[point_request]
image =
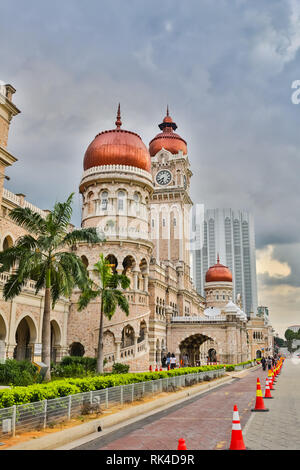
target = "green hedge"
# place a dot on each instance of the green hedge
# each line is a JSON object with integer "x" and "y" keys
{"x": 231, "y": 367}
{"x": 63, "y": 388}
{"x": 70, "y": 386}
{"x": 21, "y": 373}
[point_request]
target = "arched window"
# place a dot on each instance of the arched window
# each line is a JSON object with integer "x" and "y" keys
{"x": 104, "y": 200}
{"x": 90, "y": 202}
{"x": 121, "y": 200}
{"x": 137, "y": 201}
{"x": 76, "y": 349}
{"x": 85, "y": 261}
{"x": 7, "y": 242}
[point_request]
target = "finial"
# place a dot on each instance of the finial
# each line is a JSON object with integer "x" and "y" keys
{"x": 167, "y": 110}
{"x": 218, "y": 258}
{"x": 118, "y": 121}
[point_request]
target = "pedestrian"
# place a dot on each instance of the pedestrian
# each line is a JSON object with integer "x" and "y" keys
{"x": 173, "y": 361}
{"x": 164, "y": 361}
{"x": 168, "y": 359}
{"x": 269, "y": 362}
{"x": 263, "y": 362}
{"x": 273, "y": 361}
{"x": 185, "y": 360}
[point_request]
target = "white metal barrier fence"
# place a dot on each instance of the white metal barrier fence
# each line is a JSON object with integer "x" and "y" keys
{"x": 39, "y": 415}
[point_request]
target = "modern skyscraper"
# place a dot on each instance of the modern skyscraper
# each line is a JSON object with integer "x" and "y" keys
{"x": 230, "y": 234}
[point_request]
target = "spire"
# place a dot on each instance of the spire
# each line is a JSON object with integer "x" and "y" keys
{"x": 118, "y": 121}
{"x": 168, "y": 125}
{"x": 218, "y": 258}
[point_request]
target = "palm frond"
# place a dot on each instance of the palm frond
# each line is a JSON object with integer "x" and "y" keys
{"x": 88, "y": 235}
{"x": 13, "y": 286}
{"x": 62, "y": 213}
{"x": 86, "y": 297}
{"x": 9, "y": 257}
{"x": 30, "y": 220}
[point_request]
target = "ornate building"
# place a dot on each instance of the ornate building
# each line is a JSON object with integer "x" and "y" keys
{"x": 140, "y": 199}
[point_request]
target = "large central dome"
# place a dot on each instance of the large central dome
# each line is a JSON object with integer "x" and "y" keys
{"x": 117, "y": 147}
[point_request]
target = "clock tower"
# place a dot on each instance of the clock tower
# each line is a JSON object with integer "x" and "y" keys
{"x": 170, "y": 202}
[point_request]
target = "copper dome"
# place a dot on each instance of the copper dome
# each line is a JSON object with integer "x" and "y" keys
{"x": 117, "y": 147}
{"x": 167, "y": 139}
{"x": 218, "y": 273}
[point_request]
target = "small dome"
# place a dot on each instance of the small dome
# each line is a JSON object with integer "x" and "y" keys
{"x": 117, "y": 147}
{"x": 218, "y": 273}
{"x": 167, "y": 139}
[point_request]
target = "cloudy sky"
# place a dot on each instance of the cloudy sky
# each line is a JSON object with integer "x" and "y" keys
{"x": 226, "y": 69}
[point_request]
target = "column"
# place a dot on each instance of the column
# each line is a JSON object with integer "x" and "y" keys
{"x": 146, "y": 279}
{"x": 118, "y": 347}
{"x": 146, "y": 341}
{"x": 135, "y": 345}
{"x": 135, "y": 278}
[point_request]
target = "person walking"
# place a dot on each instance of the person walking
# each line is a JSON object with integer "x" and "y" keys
{"x": 168, "y": 359}
{"x": 263, "y": 362}
{"x": 173, "y": 361}
{"x": 269, "y": 362}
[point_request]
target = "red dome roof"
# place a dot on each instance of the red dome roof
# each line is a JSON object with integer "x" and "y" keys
{"x": 117, "y": 147}
{"x": 218, "y": 273}
{"x": 167, "y": 139}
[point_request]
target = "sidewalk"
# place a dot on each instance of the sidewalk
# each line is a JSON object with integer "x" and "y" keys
{"x": 278, "y": 429}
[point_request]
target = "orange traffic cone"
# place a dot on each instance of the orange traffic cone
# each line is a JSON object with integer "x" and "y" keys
{"x": 259, "y": 404}
{"x": 237, "y": 441}
{"x": 270, "y": 378}
{"x": 267, "y": 390}
{"x": 168, "y": 366}
{"x": 150, "y": 368}
{"x": 181, "y": 445}
{"x": 156, "y": 369}
{"x": 160, "y": 369}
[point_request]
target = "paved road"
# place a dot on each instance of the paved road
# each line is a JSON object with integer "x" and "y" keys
{"x": 279, "y": 429}
{"x": 205, "y": 422}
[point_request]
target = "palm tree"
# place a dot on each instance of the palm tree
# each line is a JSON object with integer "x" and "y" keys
{"x": 44, "y": 256}
{"x": 110, "y": 298}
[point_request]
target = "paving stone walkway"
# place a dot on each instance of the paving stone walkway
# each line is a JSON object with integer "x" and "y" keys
{"x": 205, "y": 422}
{"x": 278, "y": 429}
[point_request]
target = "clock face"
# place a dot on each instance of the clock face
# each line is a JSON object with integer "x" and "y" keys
{"x": 163, "y": 177}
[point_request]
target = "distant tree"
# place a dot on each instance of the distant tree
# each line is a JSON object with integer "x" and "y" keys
{"x": 279, "y": 342}
{"x": 290, "y": 336}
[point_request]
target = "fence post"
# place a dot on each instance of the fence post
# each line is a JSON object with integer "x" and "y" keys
{"x": 14, "y": 414}
{"x": 69, "y": 407}
{"x": 45, "y": 413}
{"x": 132, "y": 393}
{"x": 106, "y": 398}
{"x": 121, "y": 394}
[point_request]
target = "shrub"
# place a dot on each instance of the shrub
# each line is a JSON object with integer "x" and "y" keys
{"x": 120, "y": 368}
{"x": 21, "y": 373}
{"x": 74, "y": 366}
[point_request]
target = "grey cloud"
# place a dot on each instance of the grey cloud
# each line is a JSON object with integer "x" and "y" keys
{"x": 225, "y": 68}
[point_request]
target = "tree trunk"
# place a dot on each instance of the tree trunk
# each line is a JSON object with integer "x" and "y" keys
{"x": 46, "y": 333}
{"x": 100, "y": 341}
